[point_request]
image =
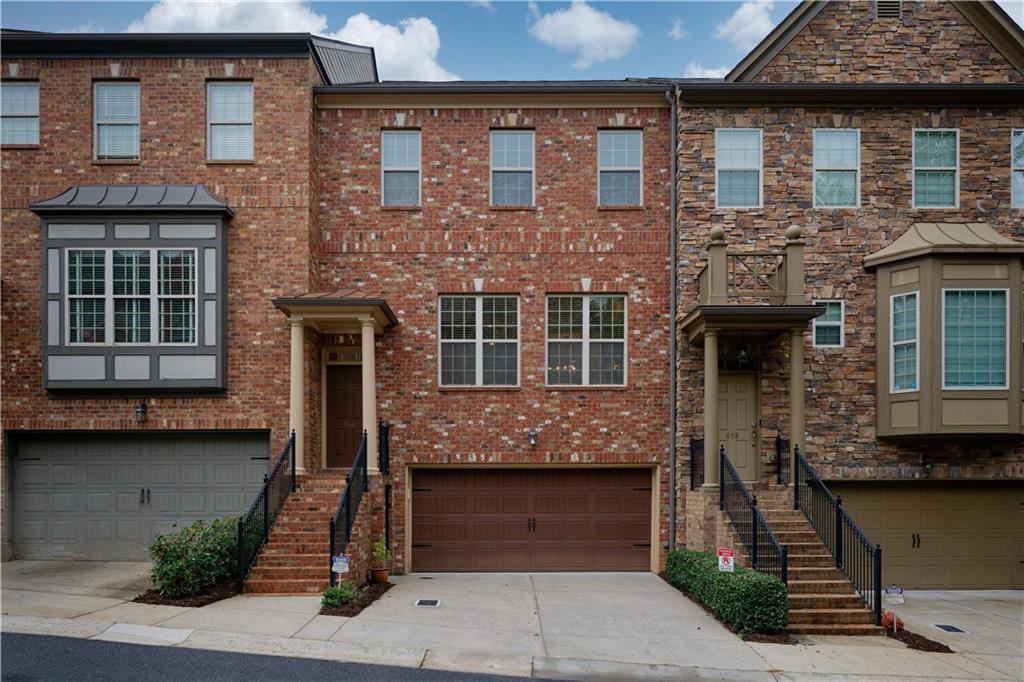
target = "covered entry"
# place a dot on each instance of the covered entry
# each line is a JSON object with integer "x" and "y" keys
{"x": 531, "y": 519}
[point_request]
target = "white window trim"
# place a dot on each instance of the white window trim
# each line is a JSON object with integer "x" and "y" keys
{"x": 210, "y": 124}
{"x": 109, "y": 297}
{"x": 585, "y": 340}
{"x": 893, "y": 343}
{"x": 759, "y": 169}
{"x": 479, "y": 342}
{"x": 1016, "y": 202}
{"x": 815, "y": 169}
{"x": 1006, "y": 341}
{"x": 640, "y": 168}
{"x": 914, "y": 169}
{"x": 418, "y": 168}
{"x": 39, "y": 120}
{"x": 532, "y": 168}
{"x": 841, "y": 324}
{"x": 96, "y": 122}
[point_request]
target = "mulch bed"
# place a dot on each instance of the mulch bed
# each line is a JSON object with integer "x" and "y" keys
{"x": 919, "y": 642}
{"x": 215, "y": 593}
{"x": 369, "y": 594}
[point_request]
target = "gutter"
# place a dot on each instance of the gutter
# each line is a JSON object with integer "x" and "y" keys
{"x": 672, "y": 95}
{"x": 483, "y": 88}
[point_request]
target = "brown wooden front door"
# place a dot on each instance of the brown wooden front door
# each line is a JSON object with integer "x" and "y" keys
{"x": 344, "y": 414}
{"x": 531, "y": 520}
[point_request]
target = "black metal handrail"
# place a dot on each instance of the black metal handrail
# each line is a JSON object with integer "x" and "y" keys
{"x": 766, "y": 554}
{"x": 356, "y": 483}
{"x": 384, "y": 447}
{"x": 782, "y": 460}
{"x": 254, "y": 526}
{"x": 696, "y": 463}
{"x": 855, "y": 555}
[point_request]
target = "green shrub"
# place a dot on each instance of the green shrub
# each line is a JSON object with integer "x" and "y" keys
{"x": 381, "y": 554}
{"x": 746, "y": 600}
{"x": 343, "y": 593}
{"x": 194, "y": 559}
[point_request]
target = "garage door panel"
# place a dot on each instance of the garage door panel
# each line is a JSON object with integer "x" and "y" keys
{"x": 65, "y": 529}
{"x": 35, "y": 502}
{"x": 64, "y": 474}
{"x": 99, "y": 529}
{"x": 65, "y": 502}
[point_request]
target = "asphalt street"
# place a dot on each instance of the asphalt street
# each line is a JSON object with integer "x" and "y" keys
{"x": 35, "y": 657}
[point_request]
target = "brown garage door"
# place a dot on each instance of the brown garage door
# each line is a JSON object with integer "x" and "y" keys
{"x": 943, "y": 535}
{"x": 531, "y": 520}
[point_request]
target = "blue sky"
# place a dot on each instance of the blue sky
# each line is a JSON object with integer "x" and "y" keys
{"x": 478, "y": 39}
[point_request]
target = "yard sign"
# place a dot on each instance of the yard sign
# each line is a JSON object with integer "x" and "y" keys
{"x": 725, "y": 556}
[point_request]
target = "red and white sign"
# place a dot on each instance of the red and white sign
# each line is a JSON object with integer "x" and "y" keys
{"x": 725, "y": 559}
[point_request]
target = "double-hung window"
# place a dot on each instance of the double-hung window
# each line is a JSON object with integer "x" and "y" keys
{"x": 116, "y": 120}
{"x": 19, "y": 113}
{"x": 620, "y": 163}
{"x": 738, "y": 168}
{"x": 904, "y": 357}
{"x": 229, "y": 114}
{"x": 1017, "y": 168}
{"x": 479, "y": 340}
{"x": 400, "y": 167}
{"x": 829, "y": 327}
{"x": 836, "y": 168}
{"x": 512, "y": 168}
{"x": 936, "y": 168}
{"x": 118, "y": 296}
{"x": 975, "y": 326}
{"x": 586, "y": 340}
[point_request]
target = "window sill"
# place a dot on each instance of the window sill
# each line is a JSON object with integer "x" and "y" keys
{"x": 621, "y": 208}
{"x": 116, "y": 162}
{"x": 19, "y": 146}
{"x": 230, "y": 162}
{"x": 570, "y": 389}
{"x": 401, "y": 208}
{"x": 477, "y": 389}
{"x": 513, "y": 208}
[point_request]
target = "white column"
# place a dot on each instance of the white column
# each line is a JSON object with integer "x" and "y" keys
{"x": 297, "y": 401}
{"x": 369, "y": 396}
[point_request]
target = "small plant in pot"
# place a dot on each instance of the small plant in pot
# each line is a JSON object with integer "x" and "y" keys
{"x": 380, "y": 569}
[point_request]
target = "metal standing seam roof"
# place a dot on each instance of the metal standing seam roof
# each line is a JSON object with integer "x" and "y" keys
{"x": 345, "y": 63}
{"x": 922, "y": 239}
{"x": 105, "y": 198}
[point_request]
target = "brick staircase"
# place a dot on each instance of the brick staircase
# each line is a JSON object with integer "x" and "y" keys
{"x": 295, "y": 559}
{"x": 821, "y": 599}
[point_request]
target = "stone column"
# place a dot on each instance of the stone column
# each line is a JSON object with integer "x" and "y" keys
{"x": 369, "y": 395}
{"x": 796, "y": 388}
{"x": 297, "y": 400}
{"x": 710, "y": 406}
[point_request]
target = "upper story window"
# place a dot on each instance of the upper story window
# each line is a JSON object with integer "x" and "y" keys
{"x": 829, "y": 327}
{"x": 586, "y": 340}
{"x": 400, "y": 167}
{"x": 512, "y": 167}
{"x": 837, "y": 168}
{"x": 904, "y": 355}
{"x": 229, "y": 122}
{"x": 738, "y": 163}
{"x": 620, "y": 164}
{"x": 19, "y": 113}
{"x": 116, "y": 120}
{"x": 975, "y": 325}
{"x": 936, "y": 168}
{"x": 479, "y": 340}
{"x": 1017, "y": 171}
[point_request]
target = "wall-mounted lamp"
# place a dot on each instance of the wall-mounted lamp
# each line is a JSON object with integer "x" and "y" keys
{"x": 926, "y": 462}
{"x": 140, "y": 413}
{"x": 532, "y": 435}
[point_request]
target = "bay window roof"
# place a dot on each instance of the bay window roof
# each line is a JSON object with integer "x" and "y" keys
{"x": 95, "y": 199}
{"x": 923, "y": 239}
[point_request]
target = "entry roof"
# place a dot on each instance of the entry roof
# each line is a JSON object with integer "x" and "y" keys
{"x": 136, "y": 198}
{"x": 325, "y": 309}
{"x": 923, "y": 239}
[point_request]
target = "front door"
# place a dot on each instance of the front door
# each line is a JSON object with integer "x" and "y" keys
{"x": 344, "y": 414}
{"x": 737, "y": 431}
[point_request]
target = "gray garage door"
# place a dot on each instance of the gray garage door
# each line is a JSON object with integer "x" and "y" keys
{"x": 105, "y": 497}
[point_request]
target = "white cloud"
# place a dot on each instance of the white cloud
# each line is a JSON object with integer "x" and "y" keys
{"x": 748, "y": 24}
{"x": 86, "y": 27}
{"x": 1015, "y": 8}
{"x": 483, "y": 4}
{"x": 404, "y": 52}
{"x": 172, "y": 16}
{"x": 697, "y": 70}
{"x": 593, "y": 35}
{"x": 677, "y": 32}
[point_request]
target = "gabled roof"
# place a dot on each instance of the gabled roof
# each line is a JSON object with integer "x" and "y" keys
{"x": 923, "y": 239}
{"x": 990, "y": 20}
{"x": 133, "y": 198}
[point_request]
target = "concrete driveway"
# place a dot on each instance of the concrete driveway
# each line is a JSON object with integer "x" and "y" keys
{"x": 68, "y": 589}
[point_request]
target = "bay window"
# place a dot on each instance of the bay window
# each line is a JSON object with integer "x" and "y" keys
{"x": 904, "y": 343}
{"x": 975, "y": 327}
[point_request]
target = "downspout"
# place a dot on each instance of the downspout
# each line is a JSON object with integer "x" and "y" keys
{"x": 673, "y": 97}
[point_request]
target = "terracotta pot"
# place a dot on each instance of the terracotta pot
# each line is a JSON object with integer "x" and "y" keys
{"x": 380, "y": 575}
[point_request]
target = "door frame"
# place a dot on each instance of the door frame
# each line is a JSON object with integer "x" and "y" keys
{"x": 346, "y": 355}
{"x": 755, "y": 374}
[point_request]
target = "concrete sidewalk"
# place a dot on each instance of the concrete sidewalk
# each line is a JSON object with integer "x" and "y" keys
{"x": 556, "y": 626}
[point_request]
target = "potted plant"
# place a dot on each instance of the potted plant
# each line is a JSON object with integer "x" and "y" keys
{"x": 380, "y": 569}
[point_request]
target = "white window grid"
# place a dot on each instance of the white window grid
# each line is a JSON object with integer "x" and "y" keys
{"x": 1016, "y": 170}
{"x": 12, "y": 111}
{"x": 154, "y": 297}
{"x": 585, "y": 339}
{"x": 211, "y": 124}
{"x": 531, "y": 169}
{"x": 479, "y": 341}
{"x": 955, "y": 168}
{"x": 818, "y": 323}
{"x": 906, "y": 342}
{"x": 1006, "y": 341}
{"x": 102, "y": 123}
{"x": 418, "y": 168}
{"x": 817, "y": 167}
{"x": 639, "y": 169}
{"x": 759, "y": 167}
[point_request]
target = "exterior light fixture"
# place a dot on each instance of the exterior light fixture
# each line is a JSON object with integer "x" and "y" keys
{"x": 926, "y": 462}
{"x": 140, "y": 413}
{"x": 532, "y": 435}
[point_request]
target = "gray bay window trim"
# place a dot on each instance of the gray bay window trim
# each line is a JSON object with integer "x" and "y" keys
{"x": 197, "y": 367}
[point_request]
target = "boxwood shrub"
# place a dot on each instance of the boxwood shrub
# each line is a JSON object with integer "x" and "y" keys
{"x": 745, "y": 600}
{"x": 194, "y": 559}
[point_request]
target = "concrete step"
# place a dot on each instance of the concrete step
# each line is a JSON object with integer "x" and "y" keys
{"x": 838, "y": 616}
{"x": 825, "y": 601}
{"x": 834, "y": 629}
{"x": 818, "y": 586}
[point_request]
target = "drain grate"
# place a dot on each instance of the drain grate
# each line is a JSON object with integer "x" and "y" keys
{"x": 949, "y": 628}
{"x": 429, "y": 603}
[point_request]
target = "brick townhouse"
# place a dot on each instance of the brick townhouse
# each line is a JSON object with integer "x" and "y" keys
{"x": 213, "y": 241}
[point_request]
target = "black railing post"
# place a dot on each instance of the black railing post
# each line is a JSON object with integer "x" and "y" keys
{"x": 721, "y": 477}
{"x": 753, "y": 533}
{"x": 877, "y": 606}
{"x": 796, "y": 477}
{"x": 266, "y": 508}
{"x": 693, "y": 464}
{"x": 330, "y": 558}
{"x": 778, "y": 459}
{"x": 839, "y": 531}
{"x": 291, "y": 446}
{"x": 785, "y": 565}
{"x": 366, "y": 462}
{"x": 240, "y": 554}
